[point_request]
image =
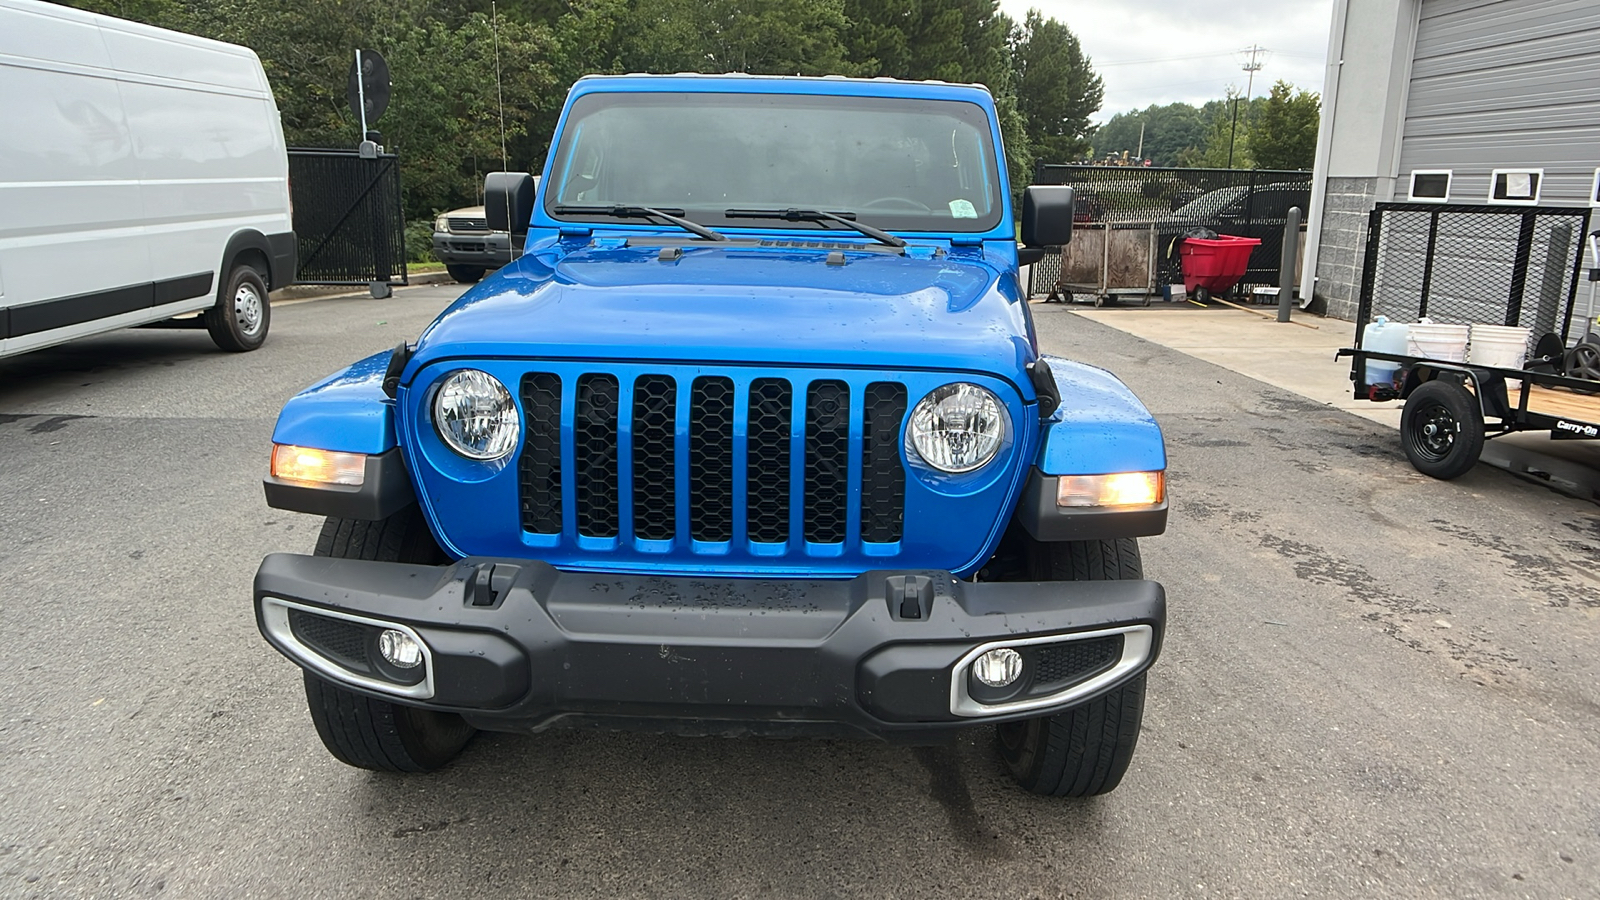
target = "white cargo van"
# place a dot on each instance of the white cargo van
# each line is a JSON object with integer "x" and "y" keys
{"x": 143, "y": 176}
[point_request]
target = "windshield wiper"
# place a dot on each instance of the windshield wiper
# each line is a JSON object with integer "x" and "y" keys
{"x": 817, "y": 215}
{"x": 642, "y": 212}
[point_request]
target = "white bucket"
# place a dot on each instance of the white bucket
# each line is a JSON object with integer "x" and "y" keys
{"x": 1444, "y": 342}
{"x": 1500, "y": 346}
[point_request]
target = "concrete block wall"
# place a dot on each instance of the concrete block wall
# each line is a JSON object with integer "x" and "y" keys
{"x": 1344, "y": 242}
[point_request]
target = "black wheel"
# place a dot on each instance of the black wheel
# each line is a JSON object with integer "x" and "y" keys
{"x": 239, "y": 320}
{"x": 363, "y": 731}
{"x": 1085, "y": 750}
{"x": 465, "y": 274}
{"x": 1201, "y": 295}
{"x": 1441, "y": 429}
{"x": 1583, "y": 361}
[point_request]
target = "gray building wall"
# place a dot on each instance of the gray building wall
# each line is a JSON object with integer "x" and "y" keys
{"x": 1499, "y": 84}
{"x": 1464, "y": 85}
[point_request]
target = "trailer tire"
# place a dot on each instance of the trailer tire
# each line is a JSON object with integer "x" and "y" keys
{"x": 1441, "y": 429}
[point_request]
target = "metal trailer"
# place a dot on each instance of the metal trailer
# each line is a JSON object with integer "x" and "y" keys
{"x": 1451, "y": 408}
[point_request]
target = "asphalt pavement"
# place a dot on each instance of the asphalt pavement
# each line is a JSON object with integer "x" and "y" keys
{"x": 1374, "y": 684}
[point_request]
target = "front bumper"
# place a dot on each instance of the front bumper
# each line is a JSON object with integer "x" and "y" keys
{"x": 490, "y": 249}
{"x": 517, "y": 645}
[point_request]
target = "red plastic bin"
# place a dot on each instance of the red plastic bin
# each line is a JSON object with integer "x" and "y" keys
{"x": 1215, "y": 266}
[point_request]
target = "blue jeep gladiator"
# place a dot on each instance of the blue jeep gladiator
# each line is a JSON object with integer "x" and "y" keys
{"x": 754, "y": 438}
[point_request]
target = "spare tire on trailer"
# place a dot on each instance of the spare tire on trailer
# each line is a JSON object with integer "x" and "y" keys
{"x": 1441, "y": 429}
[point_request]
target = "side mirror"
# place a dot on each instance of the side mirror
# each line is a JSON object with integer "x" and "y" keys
{"x": 508, "y": 200}
{"x": 1047, "y": 215}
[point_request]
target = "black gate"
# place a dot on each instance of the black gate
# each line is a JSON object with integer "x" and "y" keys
{"x": 1167, "y": 203}
{"x": 347, "y": 217}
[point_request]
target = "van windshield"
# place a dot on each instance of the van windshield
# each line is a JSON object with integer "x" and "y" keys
{"x": 899, "y": 164}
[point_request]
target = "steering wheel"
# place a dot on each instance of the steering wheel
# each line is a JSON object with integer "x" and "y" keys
{"x": 902, "y": 202}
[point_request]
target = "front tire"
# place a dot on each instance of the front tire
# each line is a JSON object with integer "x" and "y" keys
{"x": 465, "y": 274}
{"x": 1085, "y": 750}
{"x": 239, "y": 321}
{"x": 1441, "y": 429}
{"x": 363, "y": 731}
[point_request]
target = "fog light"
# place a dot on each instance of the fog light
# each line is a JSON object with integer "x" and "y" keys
{"x": 998, "y": 668}
{"x": 400, "y": 649}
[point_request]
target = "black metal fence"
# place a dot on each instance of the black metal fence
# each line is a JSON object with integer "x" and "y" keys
{"x": 1168, "y": 203}
{"x": 347, "y": 217}
{"x": 1460, "y": 264}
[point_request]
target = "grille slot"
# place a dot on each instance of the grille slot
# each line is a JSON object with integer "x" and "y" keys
{"x": 883, "y": 483}
{"x": 539, "y": 475}
{"x": 595, "y": 455}
{"x": 655, "y": 416}
{"x": 827, "y": 461}
{"x": 711, "y": 459}
{"x": 1058, "y": 665}
{"x": 344, "y": 642}
{"x": 767, "y": 486}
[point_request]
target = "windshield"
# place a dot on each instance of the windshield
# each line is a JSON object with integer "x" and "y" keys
{"x": 899, "y": 164}
{"x": 1210, "y": 204}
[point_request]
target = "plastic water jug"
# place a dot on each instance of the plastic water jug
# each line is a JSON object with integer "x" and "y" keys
{"x": 1384, "y": 336}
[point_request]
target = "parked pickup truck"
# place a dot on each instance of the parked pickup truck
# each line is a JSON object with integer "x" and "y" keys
{"x": 755, "y": 437}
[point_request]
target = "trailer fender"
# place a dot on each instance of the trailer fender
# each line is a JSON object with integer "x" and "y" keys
{"x": 1489, "y": 388}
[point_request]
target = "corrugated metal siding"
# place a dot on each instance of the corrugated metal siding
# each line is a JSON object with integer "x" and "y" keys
{"x": 1500, "y": 84}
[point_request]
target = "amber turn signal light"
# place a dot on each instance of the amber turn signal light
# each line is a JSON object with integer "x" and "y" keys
{"x": 309, "y": 465}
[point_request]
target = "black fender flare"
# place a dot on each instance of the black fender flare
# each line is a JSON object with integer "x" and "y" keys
{"x": 277, "y": 250}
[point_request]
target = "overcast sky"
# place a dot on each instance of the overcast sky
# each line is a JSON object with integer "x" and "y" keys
{"x": 1165, "y": 51}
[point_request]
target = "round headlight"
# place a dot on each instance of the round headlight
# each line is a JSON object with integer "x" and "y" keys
{"x": 474, "y": 414}
{"x": 958, "y": 427}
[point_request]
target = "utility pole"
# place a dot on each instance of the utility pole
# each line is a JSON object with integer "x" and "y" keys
{"x": 1140, "y": 152}
{"x": 1250, "y": 68}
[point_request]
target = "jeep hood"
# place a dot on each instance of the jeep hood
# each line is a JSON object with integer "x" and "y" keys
{"x": 743, "y": 304}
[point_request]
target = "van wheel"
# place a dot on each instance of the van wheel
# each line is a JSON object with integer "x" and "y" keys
{"x": 240, "y": 319}
{"x": 465, "y": 274}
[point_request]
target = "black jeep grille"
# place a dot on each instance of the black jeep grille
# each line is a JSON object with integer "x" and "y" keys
{"x": 767, "y": 491}
{"x": 540, "y": 473}
{"x": 715, "y": 452}
{"x": 595, "y": 438}
{"x": 655, "y": 460}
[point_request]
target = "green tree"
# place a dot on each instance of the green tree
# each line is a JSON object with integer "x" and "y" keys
{"x": 1057, "y": 89}
{"x": 1226, "y": 135}
{"x": 961, "y": 41}
{"x": 1169, "y": 131}
{"x": 1283, "y": 131}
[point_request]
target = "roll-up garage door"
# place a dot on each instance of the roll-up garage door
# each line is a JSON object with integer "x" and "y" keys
{"x": 1506, "y": 84}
